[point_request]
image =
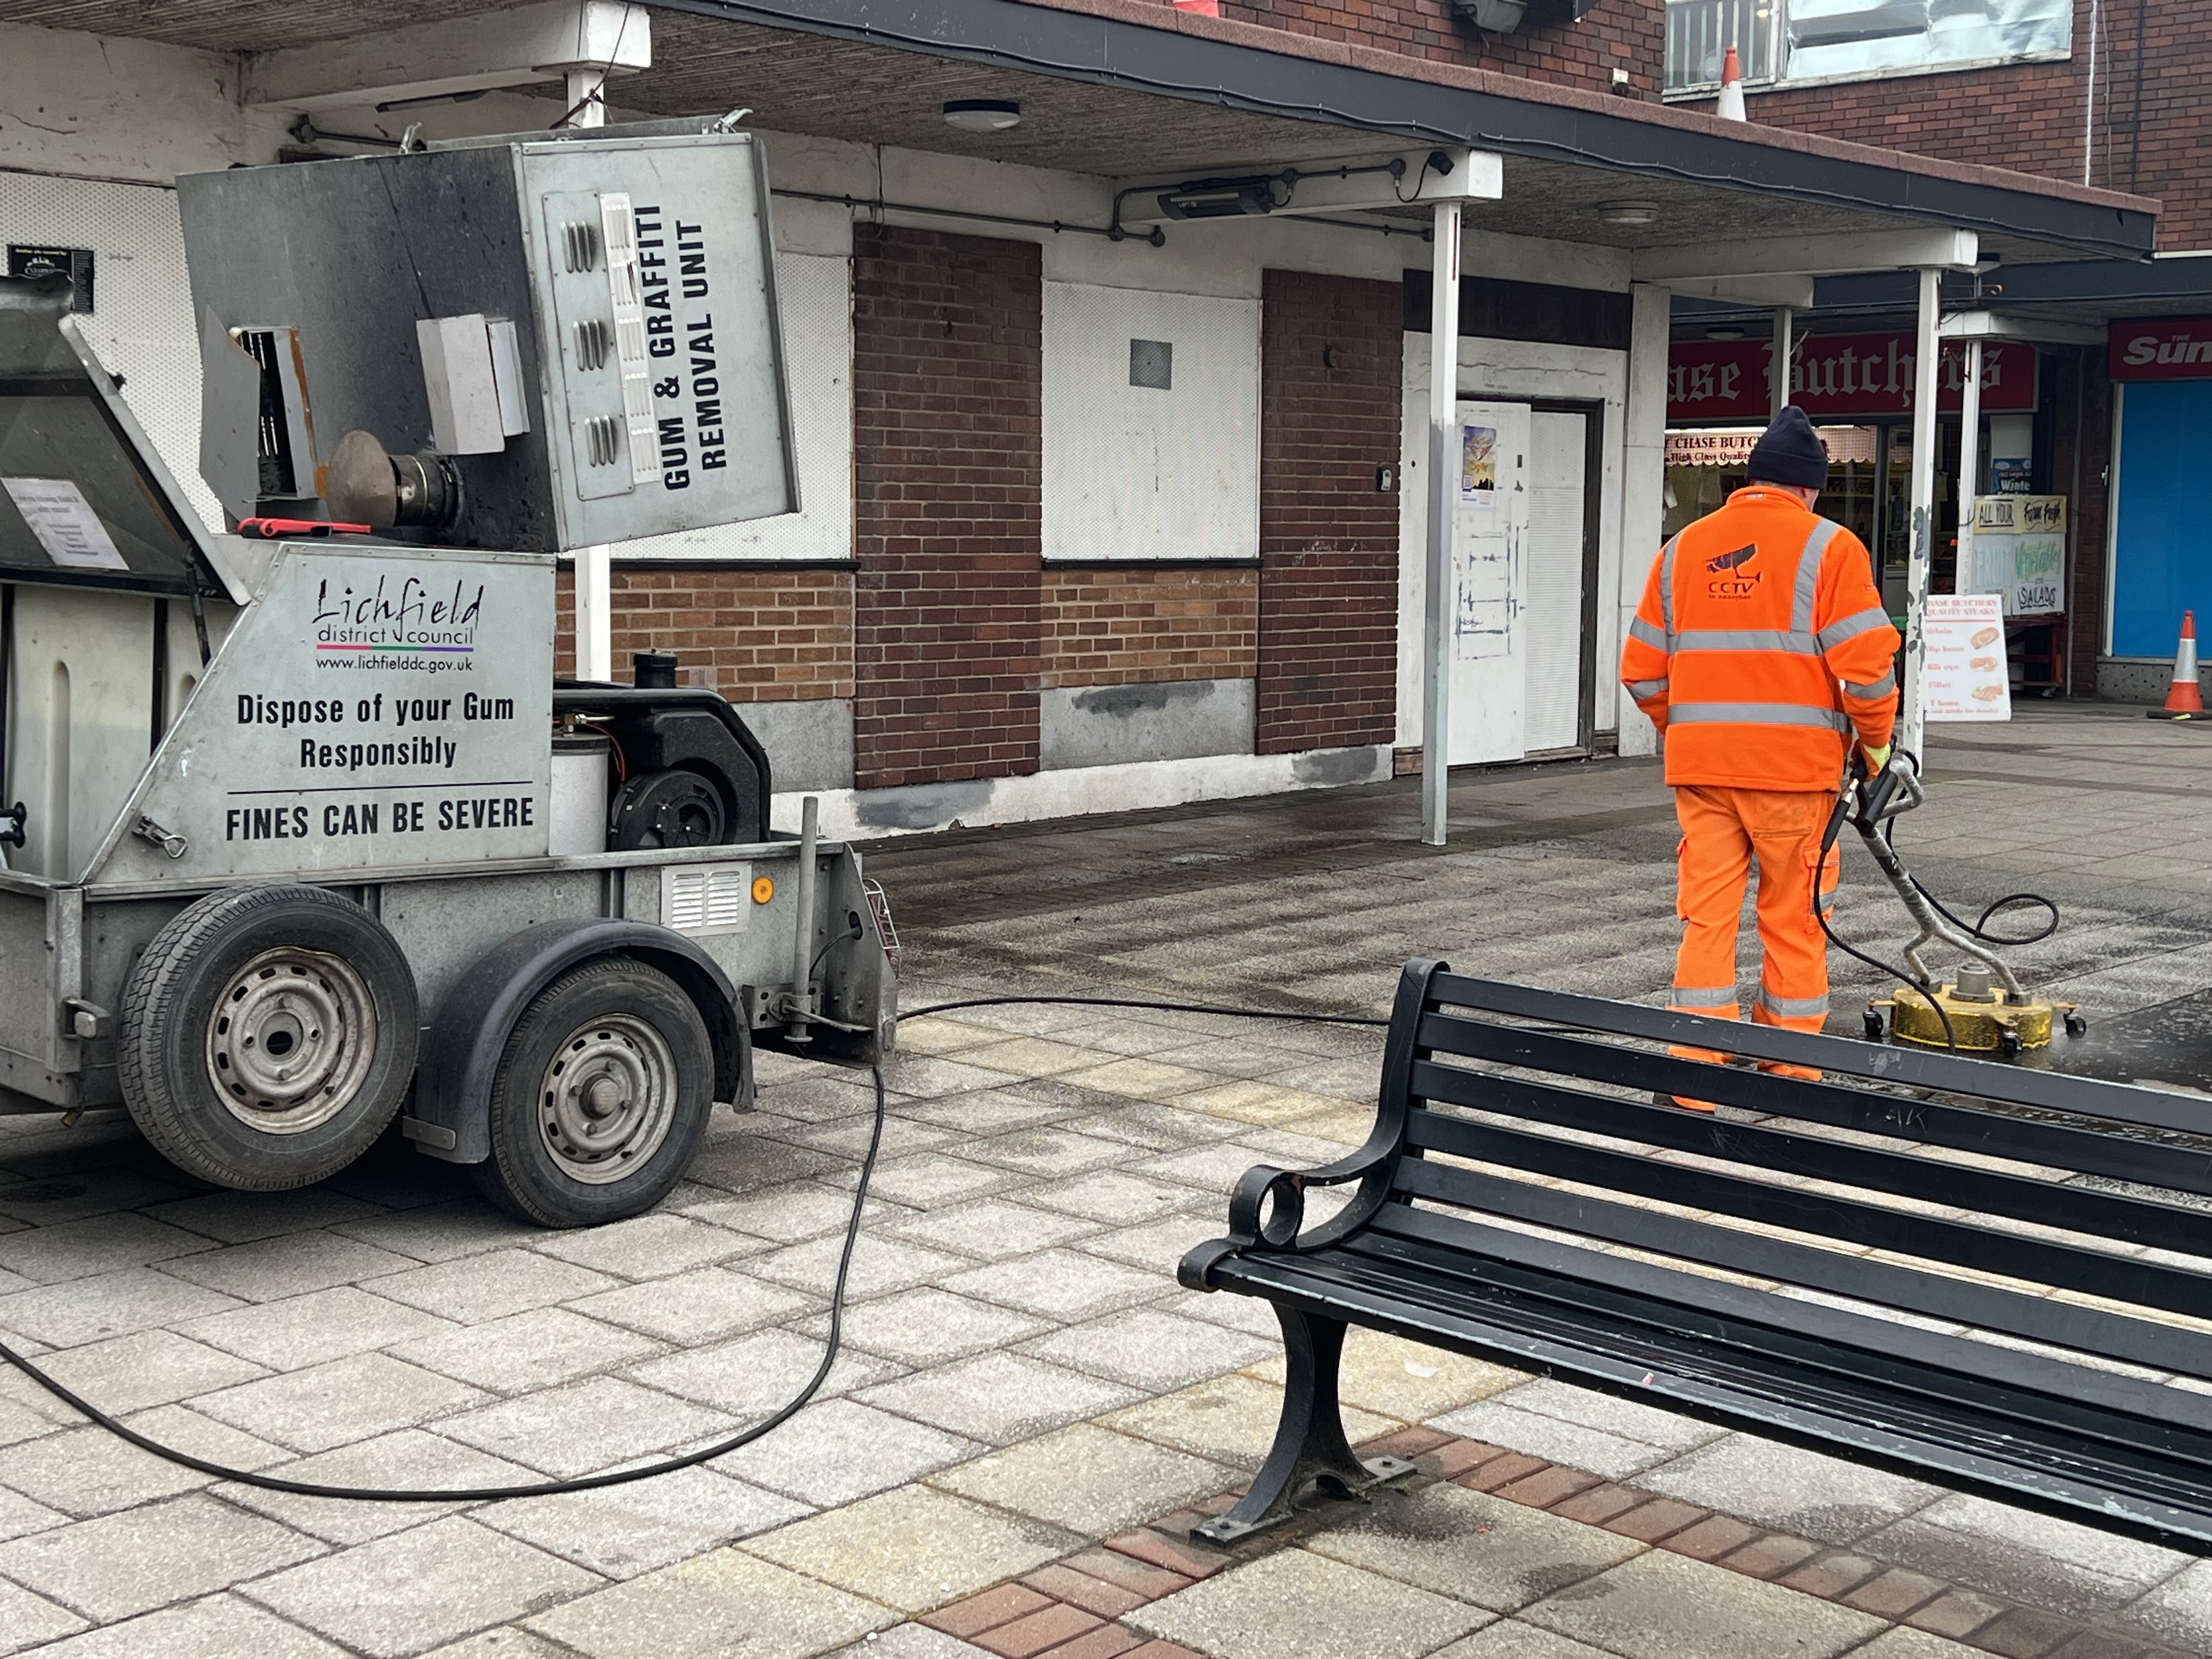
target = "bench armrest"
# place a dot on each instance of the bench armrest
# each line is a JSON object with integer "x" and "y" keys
{"x": 1268, "y": 1207}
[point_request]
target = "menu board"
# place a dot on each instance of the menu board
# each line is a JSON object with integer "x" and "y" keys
{"x": 1965, "y": 676}
{"x": 2018, "y": 552}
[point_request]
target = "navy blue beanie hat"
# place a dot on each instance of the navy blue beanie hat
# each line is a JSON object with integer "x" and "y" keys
{"x": 1790, "y": 453}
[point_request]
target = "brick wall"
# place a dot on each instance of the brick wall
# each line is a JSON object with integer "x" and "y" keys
{"x": 1331, "y": 404}
{"x": 1116, "y": 627}
{"x": 948, "y": 467}
{"x": 2029, "y": 116}
{"x": 770, "y": 635}
{"x": 1628, "y": 34}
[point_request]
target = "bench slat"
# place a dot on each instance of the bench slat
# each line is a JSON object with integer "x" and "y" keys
{"x": 2025, "y": 1198}
{"x": 1915, "y": 1432}
{"x": 2095, "y": 1272}
{"x": 1933, "y": 1295}
{"x": 2088, "y": 1152}
{"x": 2120, "y": 1102}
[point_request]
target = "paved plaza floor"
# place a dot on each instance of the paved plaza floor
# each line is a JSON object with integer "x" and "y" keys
{"x": 1029, "y": 1410}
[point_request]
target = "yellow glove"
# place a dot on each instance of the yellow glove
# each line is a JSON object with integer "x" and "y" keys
{"x": 1876, "y": 758}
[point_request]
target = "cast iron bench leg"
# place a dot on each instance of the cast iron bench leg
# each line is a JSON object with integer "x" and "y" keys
{"x": 1309, "y": 1444}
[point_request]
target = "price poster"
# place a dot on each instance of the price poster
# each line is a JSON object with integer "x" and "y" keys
{"x": 1965, "y": 676}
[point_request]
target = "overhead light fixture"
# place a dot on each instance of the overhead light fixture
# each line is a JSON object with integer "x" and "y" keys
{"x": 981, "y": 114}
{"x": 1628, "y": 213}
{"x": 1726, "y": 331}
{"x": 1220, "y": 198}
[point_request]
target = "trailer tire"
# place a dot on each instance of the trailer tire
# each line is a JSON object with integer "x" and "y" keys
{"x": 250, "y": 974}
{"x": 602, "y": 1094}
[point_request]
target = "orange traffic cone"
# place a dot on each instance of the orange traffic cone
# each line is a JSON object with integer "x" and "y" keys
{"x": 2185, "y": 698}
{"x": 1730, "y": 106}
{"x": 1199, "y": 8}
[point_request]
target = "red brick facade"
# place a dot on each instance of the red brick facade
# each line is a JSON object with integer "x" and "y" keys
{"x": 1120, "y": 626}
{"x": 1628, "y": 34}
{"x": 1330, "y": 408}
{"x": 2154, "y": 124}
{"x": 948, "y": 477}
{"x": 769, "y": 634}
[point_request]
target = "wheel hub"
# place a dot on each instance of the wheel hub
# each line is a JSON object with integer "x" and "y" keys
{"x": 290, "y": 1040}
{"x": 608, "y": 1098}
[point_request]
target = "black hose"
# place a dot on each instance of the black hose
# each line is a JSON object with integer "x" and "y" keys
{"x": 1828, "y": 839}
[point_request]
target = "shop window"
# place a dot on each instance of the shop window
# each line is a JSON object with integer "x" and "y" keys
{"x": 1782, "y": 42}
{"x": 1152, "y": 424}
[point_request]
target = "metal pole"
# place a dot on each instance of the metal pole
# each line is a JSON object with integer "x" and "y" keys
{"x": 798, "y": 1027}
{"x": 1439, "y": 589}
{"x": 595, "y": 645}
{"x": 1970, "y": 461}
{"x": 1784, "y": 345}
{"x": 1910, "y": 724}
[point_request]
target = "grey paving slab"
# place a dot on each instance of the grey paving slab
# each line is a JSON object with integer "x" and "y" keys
{"x": 346, "y": 1400}
{"x": 146, "y": 1368}
{"x": 270, "y": 1269}
{"x": 623, "y": 1531}
{"x": 113, "y": 1304}
{"x": 96, "y": 1186}
{"x": 587, "y": 1425}
{"x": 728, "y": 1605}
{"x": 1615, "y": 1456}
{"x": 840, "y": 1451}
{"x": 142, "y": 1558}
{"x": 20, "y": 1516}
{"x": 1114, "y": 1197}
{"x": 753, "y": 1375}
{"x": 999, "y": 1398}
{"x": 1231, "y": 1418}
{"x": 1044, "y": 1153}
{"x": 492, "y": 1284}
{"x": 2046, "y": 1563}
{"x": 914, "y": 1549}
{"x": 1498, "y": 1555}
{"x": 410, "y": 1460}
{"x": 1667, "y": 1607}
{"x": 647, "y": 1246}
{"x": 923, "y": 1181}
{"x": 909, "y": 1641}
{"x": 216, "y": 1627}
{"x": 505, "y": 1642}
{"x": 1088, "y": 1479}
{"x": 748, "y": 1162}
{"x": 994, "y": 1227}
{"x": 26, "y": 1621}
{"x": 241, "y": 1218}
{"x": 1508, "y": 1639}
{"x": 2178, "y": 1611}
{"x": 538, "y": 1349}
{"x": 696, "y": 1306}
{"x": 1296, "y": 1605}
{"x": 987, "y": 1111}
{"x": 880, "y": 1265}
{"x": 794, "y": 1211}
{"x": 927, "y": 1325}
{"x": 401, "y": 1595}
{"x": 98, "y": 1245}
{"x": 1149, "y": 1349}
{"x": 443, "y": 1233}
{"x": 1060, "y": 1284}
{"x": 309, "y": 1330}
{"x": 1158, "y": 1246}
{"x": 1803, "y": 1492}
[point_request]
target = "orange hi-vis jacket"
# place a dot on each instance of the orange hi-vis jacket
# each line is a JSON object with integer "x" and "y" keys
{"x": 1760, "y": 646}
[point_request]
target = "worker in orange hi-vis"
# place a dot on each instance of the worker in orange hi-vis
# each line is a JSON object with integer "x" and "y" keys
{"x": 1761, "y": 651}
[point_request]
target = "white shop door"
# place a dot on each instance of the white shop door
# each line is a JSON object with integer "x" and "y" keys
{"x": 1490, "y": 634}
{"x": 1558, "y": 501}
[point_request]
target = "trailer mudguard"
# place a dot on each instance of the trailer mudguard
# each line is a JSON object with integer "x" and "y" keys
{"x": 450, "y": 1118}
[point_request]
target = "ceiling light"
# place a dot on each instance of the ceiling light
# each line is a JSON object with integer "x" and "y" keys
{"x": 1220, "y": 198}
{"x": 981, "y": 114}
{"x": 1726, "y": 331}
{"x": 1628, "y": 213}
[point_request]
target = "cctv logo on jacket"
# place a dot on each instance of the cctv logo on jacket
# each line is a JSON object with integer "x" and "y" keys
{"x": 1732, "y": 578}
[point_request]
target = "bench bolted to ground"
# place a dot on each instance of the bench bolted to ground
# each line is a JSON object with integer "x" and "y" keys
{"x": 1871, "y": 1268}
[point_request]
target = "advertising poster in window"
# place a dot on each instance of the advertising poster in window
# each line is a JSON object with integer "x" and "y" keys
{"x": 1477, "y": 471}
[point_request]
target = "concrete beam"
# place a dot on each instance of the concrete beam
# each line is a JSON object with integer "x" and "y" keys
{"x": 1811, "y": 256}
{"x": 1765, "y": 291}
{"x": 491, "y": 49}
{"x": 1995, "y": 325}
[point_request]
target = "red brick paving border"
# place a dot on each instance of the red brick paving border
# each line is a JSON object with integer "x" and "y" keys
{"x": 1072, "y": 1609}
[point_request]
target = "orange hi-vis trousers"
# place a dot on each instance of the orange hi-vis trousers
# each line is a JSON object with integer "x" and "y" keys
{"x": 1722, "y": 830}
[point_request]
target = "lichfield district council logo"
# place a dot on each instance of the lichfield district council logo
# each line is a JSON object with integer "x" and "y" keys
{"x": 404, "y": 624}
{"x": 1731, "y": 580}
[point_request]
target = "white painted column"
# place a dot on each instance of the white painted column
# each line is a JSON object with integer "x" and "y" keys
{"x": 1970, "y": 458}
{"x": 1643, "y": 486}
{"x": 1911, "y": 727}
{"x": 1784, "y": 345}
{"x": 1439, "y": 589}
{"x": 595, "y": 643}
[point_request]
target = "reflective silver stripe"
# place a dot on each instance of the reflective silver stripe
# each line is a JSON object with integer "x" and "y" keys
{"x": 1756, "y": 714}
{"x": 1691, "y": 996}
{"x": 1667, "y": 589}
{"x": 1746, "y": 639}
{"x": 1640, "y": 629}
{"x": 1880, "y": 688}
{"x": 1849, "y": 628}
{"x": 1645, "y": 691}
{"x": 1808, "y": 573}
{"x": 1791, "y": 1007}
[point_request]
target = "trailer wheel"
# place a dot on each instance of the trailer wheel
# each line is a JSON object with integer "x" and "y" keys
{"x": 268, "y": 1037}
{"x": 600, "y": 1097}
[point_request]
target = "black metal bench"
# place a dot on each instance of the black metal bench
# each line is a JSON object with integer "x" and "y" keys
{"x": 1461, "y": 1234}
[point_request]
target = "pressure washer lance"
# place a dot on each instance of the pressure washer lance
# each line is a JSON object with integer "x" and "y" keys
{"x": 1985, "y": 1008}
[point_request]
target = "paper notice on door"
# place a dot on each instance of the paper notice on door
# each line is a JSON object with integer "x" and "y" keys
{"x": 64, "y": 523}
{"x": 1965, "y": 676}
